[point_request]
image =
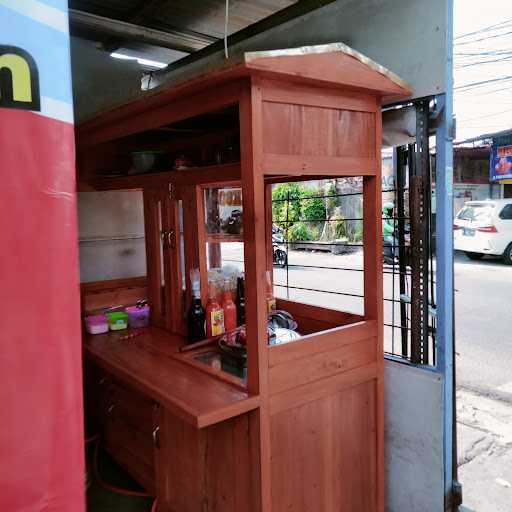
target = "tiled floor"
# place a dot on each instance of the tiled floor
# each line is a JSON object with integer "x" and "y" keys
{"x": 101, "y": 500}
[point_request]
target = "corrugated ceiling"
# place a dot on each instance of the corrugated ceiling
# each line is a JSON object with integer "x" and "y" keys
{"x": 204, "y": 17}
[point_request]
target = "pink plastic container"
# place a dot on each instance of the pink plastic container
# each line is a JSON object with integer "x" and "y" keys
{"x": 138, "y": 317}
{"x": 96, "y": 324}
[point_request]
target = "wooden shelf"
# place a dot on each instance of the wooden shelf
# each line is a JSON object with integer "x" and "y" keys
{"x": 223, "y": 237}
{"x": 213, "y": 174}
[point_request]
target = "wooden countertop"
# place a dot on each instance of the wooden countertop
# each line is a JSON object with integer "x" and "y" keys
{"x": 148, "y": 363}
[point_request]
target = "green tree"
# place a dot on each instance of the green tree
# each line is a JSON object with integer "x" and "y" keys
{"x": 312, "y": 205}
{"x": 285, "y": 204}
{"x": 299, "y": 209}
{"x": 332, "y": 191}
{"x": 301, "y": 232}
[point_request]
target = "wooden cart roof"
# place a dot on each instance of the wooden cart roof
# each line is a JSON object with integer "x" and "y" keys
{"x": 334, "y": 65}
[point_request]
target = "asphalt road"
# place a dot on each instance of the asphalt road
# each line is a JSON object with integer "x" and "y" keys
{"x": 339, "y": 280}
{"x": 483, "y": 319}
{"x": 483, "y": 308}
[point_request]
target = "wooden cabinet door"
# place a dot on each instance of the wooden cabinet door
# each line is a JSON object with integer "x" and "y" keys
{"x": 163, "y": 258}
{"x": 179, "y": 457}
{"x": 203, "y": 470}
{"x": 123, "y": 417}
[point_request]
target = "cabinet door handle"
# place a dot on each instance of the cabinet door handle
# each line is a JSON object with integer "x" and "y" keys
{"x": 164, "y": 235}
{"x": 156, "y": 437}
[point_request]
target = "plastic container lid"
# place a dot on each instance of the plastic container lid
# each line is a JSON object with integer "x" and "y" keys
{"x": 117, "y": 315}
{"x": 136, "y": 310}
{"x": 96, "y": 319}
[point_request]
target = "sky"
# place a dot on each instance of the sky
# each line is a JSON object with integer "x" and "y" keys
{"x": 482, "y": 33}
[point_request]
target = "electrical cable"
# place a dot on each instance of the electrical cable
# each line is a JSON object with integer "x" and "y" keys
{"x": 482, "y": 39}
{"x": 485, "y": 29}
{"x": 493, "y": 91}
{"x": 112, "y": 488}
{"x": 478, "y": 63}
{"x": 483, "y": 82}
{"x": 484, "y": 52}
{"x": 465, "y": 120}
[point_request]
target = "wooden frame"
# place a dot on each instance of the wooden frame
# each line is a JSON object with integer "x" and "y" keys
{"x": 312, "y": 410}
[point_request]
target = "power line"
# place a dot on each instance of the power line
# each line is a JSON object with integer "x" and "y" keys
{"x": 485, "y": 29}
{"x": 465, "y": 120}
{"x": 479, "y": 63}
{"x": 492, "y": 53}
{"x": 483, "y": 82}
{"x": 493, "y": 91}
{"x": 482, "y": 39}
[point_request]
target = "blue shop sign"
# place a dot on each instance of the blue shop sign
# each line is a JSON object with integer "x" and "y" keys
{"x": 501, "y": 162}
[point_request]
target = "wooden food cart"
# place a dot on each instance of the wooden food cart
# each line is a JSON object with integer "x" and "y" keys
{"x": 303, "y": 429}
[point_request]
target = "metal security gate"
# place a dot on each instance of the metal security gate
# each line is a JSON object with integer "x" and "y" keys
{"x": 413, "y": 171}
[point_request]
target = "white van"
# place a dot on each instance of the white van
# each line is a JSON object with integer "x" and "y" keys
{"x": 484, "y": 227}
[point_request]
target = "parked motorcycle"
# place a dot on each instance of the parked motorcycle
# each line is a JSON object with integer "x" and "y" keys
{"x": 279, "y": 254}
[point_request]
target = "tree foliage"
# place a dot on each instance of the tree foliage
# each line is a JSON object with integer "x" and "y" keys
{"x": 298, "y": 209}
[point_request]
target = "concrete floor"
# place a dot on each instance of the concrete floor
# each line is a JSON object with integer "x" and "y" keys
{"x": 101, "y": 500}
{"x": 484, "y": 454}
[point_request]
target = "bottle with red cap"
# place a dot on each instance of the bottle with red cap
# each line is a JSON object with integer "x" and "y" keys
{"x": 214, "y": 314}
{"x": 229, "y": 307}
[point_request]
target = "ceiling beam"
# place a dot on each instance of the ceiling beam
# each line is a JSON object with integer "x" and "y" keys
{"x": 182, "y": 40}
{"x": 300, "y": 8}
{"x": 146, "y": 9}
{"x": 138, "y": 16}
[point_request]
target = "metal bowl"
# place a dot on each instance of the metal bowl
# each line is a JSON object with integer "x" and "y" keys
{"x": 148, "y": 161}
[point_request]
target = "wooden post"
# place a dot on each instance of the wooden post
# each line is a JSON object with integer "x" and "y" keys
{"x": 253, "y": 192}
{"x": 373, "y": 289}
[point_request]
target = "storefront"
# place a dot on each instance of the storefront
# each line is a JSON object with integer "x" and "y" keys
{"x": 317, "y": 404}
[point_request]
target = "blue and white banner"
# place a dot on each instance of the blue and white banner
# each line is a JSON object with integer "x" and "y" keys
{"x": 501, "y": 162}
{"x": 34, "y": 57}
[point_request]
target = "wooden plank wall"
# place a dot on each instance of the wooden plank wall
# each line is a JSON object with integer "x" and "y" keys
{"x": 324, "y": 453}
{"x": 326, "y": 401}
{"x": 204, "y": 469}
{"x": 306, "y": 131}
{"x": 102, "y": 294}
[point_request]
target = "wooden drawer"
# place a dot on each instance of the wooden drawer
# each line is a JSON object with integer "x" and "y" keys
{"x": 132, "y": 449}
{"x": 124, "y": 418}
{"x": 132, "y": 407}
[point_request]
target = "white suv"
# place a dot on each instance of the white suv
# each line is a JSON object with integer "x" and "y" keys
{"x": 485, "y": 227}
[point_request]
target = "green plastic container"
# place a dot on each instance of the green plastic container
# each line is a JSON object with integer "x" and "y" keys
{"x": 117, "y": 320}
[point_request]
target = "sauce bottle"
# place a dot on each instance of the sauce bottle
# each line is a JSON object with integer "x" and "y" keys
{"x": 214, "y": 314}
{"x": 240, "y": 301}
{"x": 229, "y": 307}
{"x": 196, "y": 313}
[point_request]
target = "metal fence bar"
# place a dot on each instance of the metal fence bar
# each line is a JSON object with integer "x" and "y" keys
{"x": 327, "y": 196}
{"x": 401, "y": 271}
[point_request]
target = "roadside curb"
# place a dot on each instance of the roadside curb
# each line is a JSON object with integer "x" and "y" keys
{"x": 502, "y": 396}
